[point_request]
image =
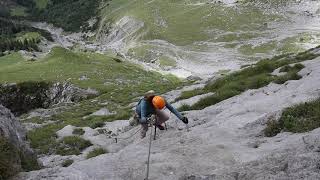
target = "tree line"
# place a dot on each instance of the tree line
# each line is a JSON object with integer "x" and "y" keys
{"x": 8, "y": 40}
{"x": 7, "y": 44}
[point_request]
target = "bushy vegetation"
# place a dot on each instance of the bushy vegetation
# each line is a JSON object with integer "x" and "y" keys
{"x": 10, "y": 32}
{"x": 96, "y": 152}
{"x": 13, "y": 160}
{"x": 67, "y": 163}
{"x": 299, "y": 118}
{"x": 9, "y": 159}
{"x": 189, "y": 94}
{"x": 184, "y": 107}
{"x": 22, "y": 97}
{"x": 72, "y": 145}
{"x": 44, "y": 139}
{"x": 97, "y": 124}
{"x": 29, "y": 162}
{"x": 252, "y": 77}
{"x": 13, "y": 44}
{"x": 273, "y": 128}
{"x": 68, "y": 14}
{"x": 78, "y": 131}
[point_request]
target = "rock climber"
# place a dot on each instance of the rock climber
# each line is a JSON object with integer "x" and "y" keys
{"x": 152, "y": 104}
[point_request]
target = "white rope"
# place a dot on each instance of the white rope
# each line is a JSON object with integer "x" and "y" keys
{"x": 148, "y": 162}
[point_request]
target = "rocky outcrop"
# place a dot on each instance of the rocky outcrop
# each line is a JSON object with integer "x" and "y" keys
{"x": 15, "y": 153}
{"x": 23, "y": 97}
{"x": 66, "y": 93}
{"x": 120, "y": 33}
{"x": 11, "y": 128}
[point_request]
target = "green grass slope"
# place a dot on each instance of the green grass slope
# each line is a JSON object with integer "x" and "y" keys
{"x": 103, "y": 72}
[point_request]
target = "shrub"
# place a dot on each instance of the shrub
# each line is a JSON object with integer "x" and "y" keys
{"x": 273, "y": 128}
{"x": 67, "y": 163}
{"x": 189, "y": 94}
{"x": 72, "y": 145}
{"x": 299, "y": 118}
{"x": 68, "y": 14}
{"x": 302, "y": 117}
{"x": 97, "y": 124}
{"x": 29, "y": 162}
{"x": 289, "y": 76}
{"x": 298, "y": 66}
{"x": 25, "y": 96}
{"x": 96, "y": 152}
{"x": 184, "y": 107}
{"x": 9, "y": 159}
{"x": 285, "y": 68}
{"x": 13, "y": 160}
{"x": 44, "y": 139}
{"x": 292, "y": 74}
{"x": 78, "y": 131}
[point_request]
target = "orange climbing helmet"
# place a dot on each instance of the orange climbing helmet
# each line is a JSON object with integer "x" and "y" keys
{"x": 158, "y": 102}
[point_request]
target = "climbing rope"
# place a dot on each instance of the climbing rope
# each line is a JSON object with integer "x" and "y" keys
{"x": 151, "y": 121}
{"x": 148, "y": 161}
{"x": 125, "y": 138}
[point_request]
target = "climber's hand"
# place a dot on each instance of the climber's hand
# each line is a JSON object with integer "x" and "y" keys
{"x": 185, "y": 120}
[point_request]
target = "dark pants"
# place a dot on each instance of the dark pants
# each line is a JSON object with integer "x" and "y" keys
{"x": 161, "y": 117}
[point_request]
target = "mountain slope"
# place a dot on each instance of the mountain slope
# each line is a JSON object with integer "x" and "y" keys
{"x": 224, "y": 141}
{"x": 205, "y": 37}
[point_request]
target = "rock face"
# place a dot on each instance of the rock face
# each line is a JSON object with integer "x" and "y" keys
{"x": 224, "y": 142}
{"x": 120, "y": 33}
{"x": 10, "y": 128}
{"x": 66, "y": 92}
{"x": 15, "y": 153}
{"x": 23, "y": 97}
